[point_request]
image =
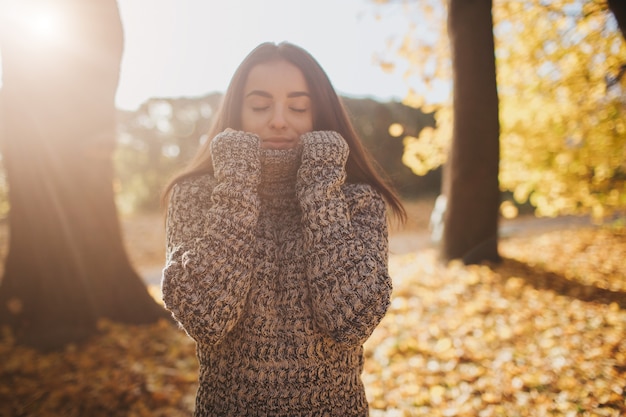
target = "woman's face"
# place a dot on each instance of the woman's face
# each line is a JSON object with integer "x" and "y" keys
{"x": 277, "y": 105}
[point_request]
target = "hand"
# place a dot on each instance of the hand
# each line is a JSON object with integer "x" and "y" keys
{"x": 231, "y": 140}
{"x": 324, "y": 156}
{"x": 235, "y": 153}
{"x": 325, "y": 146}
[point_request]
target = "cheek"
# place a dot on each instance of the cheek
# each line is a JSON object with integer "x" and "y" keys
{"x": 305, "y": 125}
{"x": 250, "y": 122}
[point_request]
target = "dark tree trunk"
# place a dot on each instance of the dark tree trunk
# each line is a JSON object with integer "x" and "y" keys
{"x": 618, "y": 8}
{"x": 67, "y": 265}
{"x": 471, "y": 174}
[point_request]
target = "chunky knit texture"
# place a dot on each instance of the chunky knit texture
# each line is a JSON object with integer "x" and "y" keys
{"x": 278, "y": 270}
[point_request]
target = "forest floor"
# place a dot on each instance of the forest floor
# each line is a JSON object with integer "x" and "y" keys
{"x": 541, "y": 334}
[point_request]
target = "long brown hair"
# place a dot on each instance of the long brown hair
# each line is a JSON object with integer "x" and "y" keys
{"x": 328, "y": 110}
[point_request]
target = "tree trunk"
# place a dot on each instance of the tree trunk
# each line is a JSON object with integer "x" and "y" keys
{"x": 618, "y": 8}
{"x": 471, "y": 174}
{"x": 67, "y": 265}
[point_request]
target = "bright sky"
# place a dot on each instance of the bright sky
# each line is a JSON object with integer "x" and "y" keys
{"x": 189, "y": 48}
{"x": 192, "y": 47}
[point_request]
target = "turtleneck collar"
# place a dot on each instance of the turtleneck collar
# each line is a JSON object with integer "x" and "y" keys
{"x": 279, "y": 168}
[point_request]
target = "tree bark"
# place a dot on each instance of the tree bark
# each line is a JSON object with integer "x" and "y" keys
{"x": 618, "y": 8}
{"x": 471, "y": 173}
{"x": 67, "y": 265}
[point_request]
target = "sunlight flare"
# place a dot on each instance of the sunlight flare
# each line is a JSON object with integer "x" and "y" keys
{"x": 36, "y": 20}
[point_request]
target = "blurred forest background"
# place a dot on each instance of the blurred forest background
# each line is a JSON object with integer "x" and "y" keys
{"x": 156, "y": 140}
{"x": 501, "y": 318}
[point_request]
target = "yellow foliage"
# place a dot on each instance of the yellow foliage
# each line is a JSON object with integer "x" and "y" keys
{"x": 396, "y": 129}
{"x": 563, "y": 141}
{"x": 387, "y": 66}
{"x": 429, "y": 150}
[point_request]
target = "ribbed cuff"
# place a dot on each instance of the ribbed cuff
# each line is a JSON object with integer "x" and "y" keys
{"x": 236, "y": 154}
{"x": 325, "y": 146}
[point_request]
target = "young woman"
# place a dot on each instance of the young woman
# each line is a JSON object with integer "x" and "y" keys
{"x": 277, "y": 246}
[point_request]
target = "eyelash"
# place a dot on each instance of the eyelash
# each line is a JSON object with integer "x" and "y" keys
{"x": 261, "y": 109}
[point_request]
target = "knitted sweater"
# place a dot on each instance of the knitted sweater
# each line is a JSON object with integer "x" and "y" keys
{"x": 278, "y": 270}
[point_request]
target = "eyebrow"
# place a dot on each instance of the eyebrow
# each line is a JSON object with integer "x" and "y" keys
{"x": 268, "y": 95}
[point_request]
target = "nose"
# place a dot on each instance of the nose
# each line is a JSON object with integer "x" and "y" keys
{"x": 278, "y": 118}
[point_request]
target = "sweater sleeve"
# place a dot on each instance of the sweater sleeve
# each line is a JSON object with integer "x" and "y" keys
{"x": 345, "y": 231}
{"x": 209, "y": 233}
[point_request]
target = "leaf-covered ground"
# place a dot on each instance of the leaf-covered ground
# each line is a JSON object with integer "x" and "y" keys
{"x": 542, "y": 334}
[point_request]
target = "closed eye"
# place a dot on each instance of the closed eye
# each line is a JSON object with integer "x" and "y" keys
{"x": 260, "y": 109}
{"x": 298, "y": 110}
